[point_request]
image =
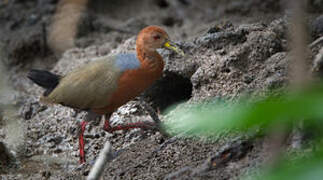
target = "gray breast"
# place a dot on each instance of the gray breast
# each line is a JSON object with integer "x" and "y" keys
{"x": 127, "y": 61}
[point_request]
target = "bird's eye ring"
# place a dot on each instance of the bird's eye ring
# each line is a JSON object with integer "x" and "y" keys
{"x": 157, "y": 37}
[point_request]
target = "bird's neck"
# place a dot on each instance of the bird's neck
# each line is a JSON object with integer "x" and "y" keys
{"x": 146, "y": 54}
{"x": 149, "y": 58}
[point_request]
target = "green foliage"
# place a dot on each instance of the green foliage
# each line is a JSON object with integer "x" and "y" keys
{"x": 245, "y": 116}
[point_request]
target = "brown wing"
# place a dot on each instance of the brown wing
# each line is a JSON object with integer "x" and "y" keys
{"x": 87, "y": 87}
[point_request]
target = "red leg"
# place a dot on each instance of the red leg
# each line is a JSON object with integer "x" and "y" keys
{"x": 143, "y": 125}
{"x": 81, "y": 142}
{"x": 90, "y": 116}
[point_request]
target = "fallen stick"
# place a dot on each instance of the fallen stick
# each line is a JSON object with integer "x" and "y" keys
{"x": 316, "y": 43}
{"x": 105, "y": 156}
{"x": 232, "y": 151}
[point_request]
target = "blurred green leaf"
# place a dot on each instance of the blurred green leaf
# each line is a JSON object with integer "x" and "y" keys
{"x": 244, "y": 115}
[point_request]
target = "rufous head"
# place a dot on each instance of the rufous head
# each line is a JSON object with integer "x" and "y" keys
{"x": 154, "y": 37}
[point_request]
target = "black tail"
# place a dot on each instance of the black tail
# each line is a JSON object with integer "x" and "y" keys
{"x": 44, "y": 79}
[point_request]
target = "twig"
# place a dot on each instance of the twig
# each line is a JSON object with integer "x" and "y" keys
{"x": 105, "y": 156}
{"x": 318, "y": 61}
{"x": 318, "y": 42}
{"x": 230, "y": 152}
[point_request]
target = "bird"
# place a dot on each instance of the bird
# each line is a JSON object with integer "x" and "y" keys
{"x": 103, "y": 85}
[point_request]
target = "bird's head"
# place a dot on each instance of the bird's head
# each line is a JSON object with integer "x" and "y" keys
{"x": 154, "y": 37}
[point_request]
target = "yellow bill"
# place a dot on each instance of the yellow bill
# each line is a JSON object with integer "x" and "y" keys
{"x": 171, "y": 46}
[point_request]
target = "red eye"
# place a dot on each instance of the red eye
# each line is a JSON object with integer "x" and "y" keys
{"x": 157, "y": 37}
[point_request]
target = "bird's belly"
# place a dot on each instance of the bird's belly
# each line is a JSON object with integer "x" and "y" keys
{"x": 130, "y": 85}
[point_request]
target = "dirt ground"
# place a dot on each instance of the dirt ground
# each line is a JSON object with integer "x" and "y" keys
{"x": 232, "y": 48}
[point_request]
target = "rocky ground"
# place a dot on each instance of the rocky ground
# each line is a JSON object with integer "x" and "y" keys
{"x": 232, "y": 48}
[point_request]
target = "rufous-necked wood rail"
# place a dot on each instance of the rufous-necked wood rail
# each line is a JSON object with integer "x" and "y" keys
{"x": 103, "y": 85}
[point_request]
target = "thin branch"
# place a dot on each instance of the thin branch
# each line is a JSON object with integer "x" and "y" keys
{"x": 318, "y": 61}
{"x": 232, "y": 151}
{"x": 105, "y": 156}
{"x": 317, "y": 43}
